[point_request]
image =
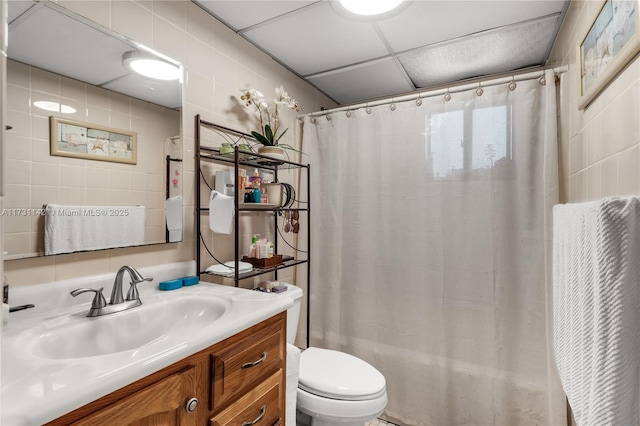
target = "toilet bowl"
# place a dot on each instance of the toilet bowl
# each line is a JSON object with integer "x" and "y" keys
{"x": 334, "y": 388}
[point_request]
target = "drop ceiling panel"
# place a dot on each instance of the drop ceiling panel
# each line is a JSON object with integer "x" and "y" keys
{"x": 487, "y": 53}
{"x": 158, "y": 92}
{"x": 35, "y": 35}
{"x": 251, "y": 12}
{"x": 52, "y": 38}
{"x": 438, "y": 41}
{"x": 374, "y": 79}
{"x": 317, "y": 39}
{"x": 17, "y": 8}
{"x": 427, "y": 22}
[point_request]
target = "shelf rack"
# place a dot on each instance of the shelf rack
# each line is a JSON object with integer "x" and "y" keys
{"x": 252, "y": 160}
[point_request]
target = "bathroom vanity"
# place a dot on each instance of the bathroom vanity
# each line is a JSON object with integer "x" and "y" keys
{"x": 201, "y": 355}
{"x": 237, "y": 381}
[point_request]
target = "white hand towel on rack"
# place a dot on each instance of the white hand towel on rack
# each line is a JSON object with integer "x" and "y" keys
{"x": 221, "y": 213}
{"x": 596, "y": 309}
{"x": 228, "y": 268}
{"x": 68, "y": 229}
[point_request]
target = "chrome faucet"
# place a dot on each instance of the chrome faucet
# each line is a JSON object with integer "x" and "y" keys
{"x": 132, "y": 294}
{"x": 99, "y": 305}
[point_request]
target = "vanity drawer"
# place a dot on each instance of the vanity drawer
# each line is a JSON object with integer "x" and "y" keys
{"x": 239, "y": 367}
{"x": 262, "y": 406}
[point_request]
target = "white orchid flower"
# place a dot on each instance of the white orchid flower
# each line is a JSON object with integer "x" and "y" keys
{"x": 269, "y": 110}
{"x": 281, "y": 93}
{"x": 256, "y": 93}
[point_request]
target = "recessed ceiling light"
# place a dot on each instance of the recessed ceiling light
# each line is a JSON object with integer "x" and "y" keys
{"x": 369, "y": 10}
{"x": 150, "y": 66}
{"x": 54, "y": 106}
{"x": 370, "y": 7}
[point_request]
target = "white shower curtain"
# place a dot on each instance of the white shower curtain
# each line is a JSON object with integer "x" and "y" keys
{"x": 428, "y": 251}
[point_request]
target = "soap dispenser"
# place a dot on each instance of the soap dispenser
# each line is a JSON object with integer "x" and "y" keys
{"x": 253, "y": 249}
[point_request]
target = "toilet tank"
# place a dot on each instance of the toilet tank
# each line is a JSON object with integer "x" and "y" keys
{"x": 293, "y": 313}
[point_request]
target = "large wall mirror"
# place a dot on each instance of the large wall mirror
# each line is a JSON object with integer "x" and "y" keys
{"x": 75, "y": 108}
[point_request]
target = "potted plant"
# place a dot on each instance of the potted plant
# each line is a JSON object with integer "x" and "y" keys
{"x": 269, "y": 119}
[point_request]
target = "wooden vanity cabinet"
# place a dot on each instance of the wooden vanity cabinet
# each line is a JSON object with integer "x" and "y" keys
{"x": 240, "y": 380}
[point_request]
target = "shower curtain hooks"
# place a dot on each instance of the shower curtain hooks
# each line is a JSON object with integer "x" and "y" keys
{"x": 479, "y": 90}
{"x": 328, "y": 117}
{"x": 348, "y": 113}
{"x": 312, "y": 120}
{"x": 447, "y": 96}
{"x": 513, "y": 85}
{"x": 543, "y": 80}
{"x": 368, "y": 110}
{"x": 419, "y": 100}
{"x": 392, "y": 106}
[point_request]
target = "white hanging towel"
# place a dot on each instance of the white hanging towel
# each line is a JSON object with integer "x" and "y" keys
{"x": 596, "y": 309}
{"x": 68, "y": 229}
{"x": 173, "y": 215}
{"x": 221, "y": 212}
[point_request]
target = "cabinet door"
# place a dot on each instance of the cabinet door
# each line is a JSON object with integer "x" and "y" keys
{"x": 261, "y": 406}
{"x": 162, "y": 403}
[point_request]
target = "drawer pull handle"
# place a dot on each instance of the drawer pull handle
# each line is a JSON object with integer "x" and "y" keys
{"x": 262, "y": 412}
{"x": 258, "y": 362}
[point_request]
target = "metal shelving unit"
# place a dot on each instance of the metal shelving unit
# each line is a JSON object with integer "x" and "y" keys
{"x": 252, "y": 160}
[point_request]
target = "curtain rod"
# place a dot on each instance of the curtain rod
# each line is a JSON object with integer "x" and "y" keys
{"x": 460, "y": 87}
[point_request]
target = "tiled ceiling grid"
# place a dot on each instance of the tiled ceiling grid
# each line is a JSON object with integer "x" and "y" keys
{"x": 427, "y": 43}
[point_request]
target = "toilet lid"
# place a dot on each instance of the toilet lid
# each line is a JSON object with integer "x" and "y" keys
{"x": 338, "y": 375}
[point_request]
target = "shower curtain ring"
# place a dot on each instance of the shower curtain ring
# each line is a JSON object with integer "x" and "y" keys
{"x": 513, "y": 85}
{"x": 368, "y": 110}
{"x": 419, "y": 100}
{"x": 543, "y": 80}
{"x": 348, "y": 113}
{"x": 312, "y": 120}
{"x": 447, "y": 96}
{"x": 479, "y": 90}
{"x": 392, "y": 106}
{"x": 328, "y": 117}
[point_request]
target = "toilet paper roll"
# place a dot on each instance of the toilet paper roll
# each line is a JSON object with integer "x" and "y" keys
{"x": 293, "y": 372}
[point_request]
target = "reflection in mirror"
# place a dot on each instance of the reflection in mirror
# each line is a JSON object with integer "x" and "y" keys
{"x": 62, "y": 65}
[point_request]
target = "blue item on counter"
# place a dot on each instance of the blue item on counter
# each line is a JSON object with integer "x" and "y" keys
{"x": 187, "y": 281}
{"x": 170, "y": 285}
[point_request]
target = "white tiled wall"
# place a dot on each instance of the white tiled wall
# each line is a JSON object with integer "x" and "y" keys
{"x": 600, "y": 145}
{"x": 218, "y": 63}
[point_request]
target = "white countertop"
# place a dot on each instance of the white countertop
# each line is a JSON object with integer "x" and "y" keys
{"x": 36, "y": 389}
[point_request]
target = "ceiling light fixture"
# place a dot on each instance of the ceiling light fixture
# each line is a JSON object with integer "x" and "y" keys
{"x": 150, "y": 66}
{"x": 54, "y": 106}
{"x": 370, "y": 7}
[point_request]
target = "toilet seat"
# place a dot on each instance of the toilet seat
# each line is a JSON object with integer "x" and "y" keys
{"x": 339, "y": 376}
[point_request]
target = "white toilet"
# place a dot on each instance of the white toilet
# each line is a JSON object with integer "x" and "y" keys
{"x": 334, "y": 388}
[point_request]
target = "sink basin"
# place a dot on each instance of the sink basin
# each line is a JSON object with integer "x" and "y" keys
{"x": 55, "y": 359}
{"x": 76, "y": 336}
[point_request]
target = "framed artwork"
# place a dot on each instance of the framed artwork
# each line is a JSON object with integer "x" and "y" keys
{"x": 70, "y": 138}
{"x": 610, "y": 42}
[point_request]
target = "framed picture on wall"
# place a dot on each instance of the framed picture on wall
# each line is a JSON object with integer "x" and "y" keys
{"x": 69, "y": 138}
{"x": 611, "y": 41}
